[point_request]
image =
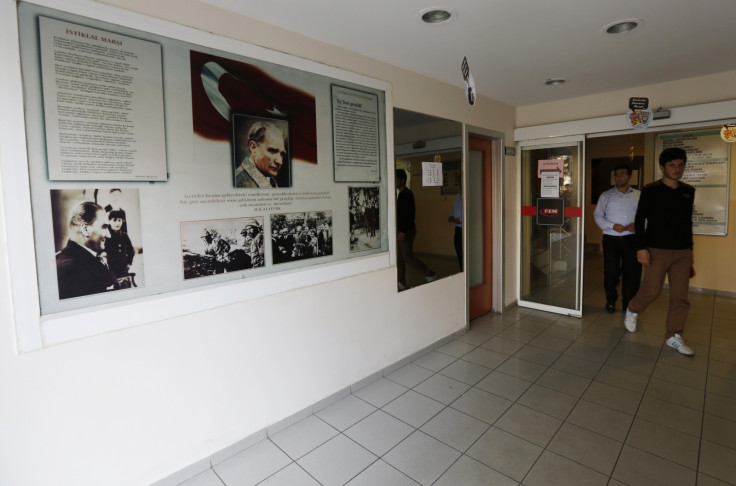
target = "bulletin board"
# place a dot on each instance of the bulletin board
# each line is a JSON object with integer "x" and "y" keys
{"x": 212, "y": 162}
{"x": 707, "y": 169}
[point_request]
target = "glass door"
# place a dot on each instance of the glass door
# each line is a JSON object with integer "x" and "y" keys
{"x": 551, "y": 239}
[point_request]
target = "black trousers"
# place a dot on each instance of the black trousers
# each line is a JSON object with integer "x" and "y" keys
{"x": 619, "y": 261}
{"x": 459, "y": 246}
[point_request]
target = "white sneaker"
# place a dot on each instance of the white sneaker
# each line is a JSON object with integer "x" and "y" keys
{"x": 630, "y": 320}
{"x": 677, "y": 343}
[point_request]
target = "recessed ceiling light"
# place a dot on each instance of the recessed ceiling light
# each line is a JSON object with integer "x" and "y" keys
{"x": 622, "y": 26}
{"x": 555, "y": 81}
{"x": 436, "y": 15}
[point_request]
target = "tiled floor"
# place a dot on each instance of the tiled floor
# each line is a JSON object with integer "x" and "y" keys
{"x": 527, "y": 398}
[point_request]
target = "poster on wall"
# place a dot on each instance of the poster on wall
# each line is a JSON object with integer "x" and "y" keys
{"x": 247, "y": 187}
{"x": 221, "y": 246}
{"x": 98, "y": 241}
{"x": 355, "y": 140}
{"x": 707, "y": 169}
{"x": 365, "y": 213}
{"x": 103, "y": 104}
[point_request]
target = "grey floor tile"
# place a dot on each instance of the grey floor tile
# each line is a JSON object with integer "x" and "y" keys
{"x": 379, "y": 432}
{"x": 720, "y": 406}
{"x": 303, "y": 436}
{"x": 551, "y": 343}
{"x": 564, "y": 382}
{"x": 517, "y": 334}
{"x": 252, "y": 465}
{"x": 676, "y": 393}
{"x": 455, "y": 428}
{"x": 536, "y": 427}
{"x": 576, "y": 366}
{"x": 719, "y": 430}
{"x": 506, "y": 453}
{"x": 441, "y": 388}
{"x": 410, "y": 375}
{"x": 526, "y": 370}
{"x": 485, "y": 357}
{"x": 675, "y": 374}
{"x": 537, "y": 355}
{"x": 413, "y": 408}
{"x": 474, "y": 337}
{"x": 705, "y": 480}
{"x": 503, "y": 345}
{"x": 639, "y": 468}
{"x": 548, "y": 401}
{"x": 434, "y": 360}
{"x": 481, "y": 405}
{"x": 291, "y": 475}
{"x": 633, "y": 364}
{"x": 665, "y": 442}
{"x": 617, "y": 398}
{"x": 671, "y": 415}
{"x": 554, "y": 470}
{"x": 337, "y": 461}
{"x": 456, "y": 348}
{"x": 721, "y": 386}
{"x": 622, "y": 379}
{"x": 601, "y": 419}
{"x": 466, "y": 372}
{"x": 504, "y": 385}
{"x": 422, "y": 457}
{"x": 383, "y": 474}
{"x": 469, "y": 472}
{"x": 206, "y": 478}
{"x": 380, "y": 392}
{"x": 586, "y": 447}
{"x": 718, "y": 462}
{"x": 346, "y": 412}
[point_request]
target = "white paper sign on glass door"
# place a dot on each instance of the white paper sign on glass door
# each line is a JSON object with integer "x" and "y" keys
{"x": 103, "y": 104}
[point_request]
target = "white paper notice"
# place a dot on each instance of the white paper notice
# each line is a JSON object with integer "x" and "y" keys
{"x": 550, "y": 183}
{"x": 355, "y": 135}
{"x": 103, "y": 104}
{"x": 432, "y": 174}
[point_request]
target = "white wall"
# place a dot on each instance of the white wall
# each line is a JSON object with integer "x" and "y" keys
{"x": 133, "y": 406}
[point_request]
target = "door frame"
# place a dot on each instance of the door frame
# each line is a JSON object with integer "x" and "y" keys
{"x": 551, "y": 142}
{"x": 498, "y": 163}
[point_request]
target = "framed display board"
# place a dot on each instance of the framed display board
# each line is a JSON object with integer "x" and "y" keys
{"x": 707, "y": 169}
{"x": 167, "y": 161}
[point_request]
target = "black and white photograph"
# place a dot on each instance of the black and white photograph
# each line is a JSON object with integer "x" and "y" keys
{"x": 365, "y": 210}
{"x": 221, "y": 246}
{"x": 97, "y": 237}
{"x": 260, "y": 152}
{"x": 300, "y": 236}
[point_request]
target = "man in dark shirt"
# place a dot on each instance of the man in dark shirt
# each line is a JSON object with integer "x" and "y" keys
{"x": 664, "y": 239}
{"x": 406, "y": 230}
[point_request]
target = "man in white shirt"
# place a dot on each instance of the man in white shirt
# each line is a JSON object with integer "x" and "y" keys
{"x": 615, "y": 214}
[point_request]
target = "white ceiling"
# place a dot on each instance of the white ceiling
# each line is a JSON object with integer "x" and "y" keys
{"x": 513, "y": 46}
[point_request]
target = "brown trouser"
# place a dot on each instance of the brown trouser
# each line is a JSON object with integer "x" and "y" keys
{"x": 676, "y": 265}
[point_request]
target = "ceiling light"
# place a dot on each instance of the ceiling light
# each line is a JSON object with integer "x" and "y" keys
{"x": 436, "y": 15}
{"x": 555, "y": 81}
{"x": 622, "y": 26}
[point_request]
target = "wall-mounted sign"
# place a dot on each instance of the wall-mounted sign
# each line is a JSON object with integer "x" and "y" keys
{"x": 550, "y": 211}
{"x": 728, "y": 133}
{"x": 468, "y": 82}
{"x": 432, "y": 174}
{"x": 551, "y": 164}
{"x": 638, "y": 116}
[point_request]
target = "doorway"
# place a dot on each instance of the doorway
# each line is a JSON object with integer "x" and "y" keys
{"x": 479, "y": 225}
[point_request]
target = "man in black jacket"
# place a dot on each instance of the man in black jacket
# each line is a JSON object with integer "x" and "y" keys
{"x": 406, "y": 230}
{"x": 664, "y": 234}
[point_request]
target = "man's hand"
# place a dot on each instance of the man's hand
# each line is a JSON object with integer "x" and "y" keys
{"x": 643, "y": 257}
{"x": 630, "y": 227}
{"x": 618, "y": 228}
